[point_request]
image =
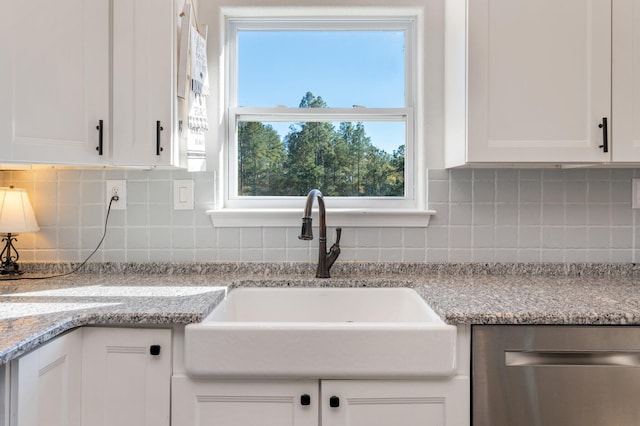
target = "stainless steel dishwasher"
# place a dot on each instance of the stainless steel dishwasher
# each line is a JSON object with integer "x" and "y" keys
{"x": 555, "y": 376}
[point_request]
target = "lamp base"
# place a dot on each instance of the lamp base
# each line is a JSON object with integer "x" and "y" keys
{"x": 9, "y": 257}
{"x": 11, "y": 269}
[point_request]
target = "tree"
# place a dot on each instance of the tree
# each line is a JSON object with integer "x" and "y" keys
{"x": 261, "y": 158}
{"x": 310, "y": 152}
{"x": 339, "y": 162}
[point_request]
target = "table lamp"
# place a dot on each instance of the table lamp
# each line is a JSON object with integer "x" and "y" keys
{"x": 16, "y": 216}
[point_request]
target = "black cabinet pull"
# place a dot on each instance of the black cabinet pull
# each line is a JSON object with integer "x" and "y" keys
{"x": 334, "y": 402}
{"x": 605, "y": 135}
{"x": 159, "y": 128}
{"x": 305, "y": 399}
{"x": 99, "y": 128}
{"x": 154, "y": 350}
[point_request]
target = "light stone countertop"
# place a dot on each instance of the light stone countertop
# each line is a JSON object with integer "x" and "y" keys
{"x": 34, "y": 311}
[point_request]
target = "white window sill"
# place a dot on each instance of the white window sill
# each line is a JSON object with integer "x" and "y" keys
{"x": 242, "y": 218}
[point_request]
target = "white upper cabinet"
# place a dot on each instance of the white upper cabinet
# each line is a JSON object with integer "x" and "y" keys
{"x": 626, "y": 81}
{"x": 528, "y": 81}
{"x": 144, "y": 51}
{"x": 89, "y": 84}
{"x": 54, "y": 81}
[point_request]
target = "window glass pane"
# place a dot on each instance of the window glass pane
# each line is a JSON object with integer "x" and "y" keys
{"x": 345, "y": 68}
{"x": 345, "y": 159}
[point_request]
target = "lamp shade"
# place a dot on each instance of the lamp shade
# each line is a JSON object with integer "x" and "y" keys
{"x": 16, "y": 213}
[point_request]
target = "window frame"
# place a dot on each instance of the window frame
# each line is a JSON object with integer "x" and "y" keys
{"x": 387, "y": 211}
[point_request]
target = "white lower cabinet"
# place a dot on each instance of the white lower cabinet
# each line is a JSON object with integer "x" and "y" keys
{"x": 320, "y": 403}
{"x": 93, "y": 376}
{"x": 45, "y": 384}
{"x": 126, "y": 377}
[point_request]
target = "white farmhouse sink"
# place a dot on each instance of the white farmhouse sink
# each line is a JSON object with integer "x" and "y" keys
{"x": 321, "y": 333}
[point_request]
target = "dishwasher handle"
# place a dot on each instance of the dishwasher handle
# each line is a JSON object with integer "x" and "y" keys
{"x": 572, "y": 358}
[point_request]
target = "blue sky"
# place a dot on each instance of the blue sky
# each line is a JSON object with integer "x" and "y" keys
{"x": 345, "y": 68}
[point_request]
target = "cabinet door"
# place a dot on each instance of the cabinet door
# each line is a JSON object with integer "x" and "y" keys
{"x": 54, "y": 81}
{"x": 122, "y": 382}
{"x": 626, "y": 81}
{"x": 143, "y": 82}
{"x": 45, "y": 384}
{"x": 398, "y": 403}
{"x": 246, "y": 403}
{"x": 539, "y": 80}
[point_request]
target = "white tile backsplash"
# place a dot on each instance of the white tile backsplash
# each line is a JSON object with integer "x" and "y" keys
{"x": 483, "y": 215}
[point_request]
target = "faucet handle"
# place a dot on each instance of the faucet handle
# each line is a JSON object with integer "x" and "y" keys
{"x": 338, "y": 234}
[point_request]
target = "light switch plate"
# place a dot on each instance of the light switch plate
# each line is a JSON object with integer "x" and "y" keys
{"x": 183, "y": 194}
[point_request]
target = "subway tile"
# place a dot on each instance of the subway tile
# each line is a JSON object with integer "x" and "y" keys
{"x": 598, "y": 214}
{"x": 460, "y": 214}
{"x": 393, "y": 254}
{"x": 367, "y": 255}
{"x": 460, "y": 191}
{"x": 507, "y": 214}
{"x": 206, "y": 255}
{"x": 552, "y": 237}
{"x": 412, "y": 237}
{"x": 182, "y": 255}
{"x": 413, "y": 255}
{"x": 483, "y": 255}
{"x": 393, "y": 237}
{"x": 483, "y": 191}
{"x": 437, "y": 237}
{"x": 506, "y": 237}
{"x": 553, "y": 191}
{"x": 507, "y": 191}
{"x": 484, "y": 214}
{"x": 553, "y": 214}
{"x": 460, "y": 255}
{"x": 529, "y": 214}
{"x": 160, "y": 237}
{"x": 598, "y": 238}
{"x": 437, "y": 255}
{"x": 93, "y": 192}
{"x": 599, "y": 192}
{"x": 137, "y": 238}
{"x": 529, "y": 255}
{"x": 460, "y": 237}
{"x": 438, "y": 191}
{"x": 530, "y": 191}
{"x": 251, "y": 238}
{"x": 251, "y": 254}
{"x": 137, "y": 192}
{"x": 137, "y": 215}
{"x": 483, "y": 237}
{"x": 274, "y": 254}
{"x": 493, "y": 215}
{"x": 228, "y": 238}
{"x": 182, "y": 238}
{"x": 529, "y": 237}
{"x": 368, "y": 237}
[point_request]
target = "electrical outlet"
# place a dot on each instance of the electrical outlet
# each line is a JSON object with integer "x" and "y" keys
{"x": 119, "y": 188}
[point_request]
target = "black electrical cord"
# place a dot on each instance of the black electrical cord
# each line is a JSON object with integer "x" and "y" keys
{"x": 77, "y": 268}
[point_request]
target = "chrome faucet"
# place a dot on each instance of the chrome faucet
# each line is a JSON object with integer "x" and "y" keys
{"x": 325, "y": 260}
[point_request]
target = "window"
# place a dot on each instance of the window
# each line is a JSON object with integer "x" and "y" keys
{"x": 327, "y": 102}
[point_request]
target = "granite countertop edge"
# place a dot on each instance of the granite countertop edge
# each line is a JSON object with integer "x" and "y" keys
{"x": 462, "y": 294}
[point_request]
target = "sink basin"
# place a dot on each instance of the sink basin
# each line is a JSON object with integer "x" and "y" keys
{"x": 321, "y": 333}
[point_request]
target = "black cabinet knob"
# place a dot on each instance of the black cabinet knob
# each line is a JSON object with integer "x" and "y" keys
{"x": 154, "y": 350}
{"x": 334, "y": 402}
{"x": 305, "y": 399}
